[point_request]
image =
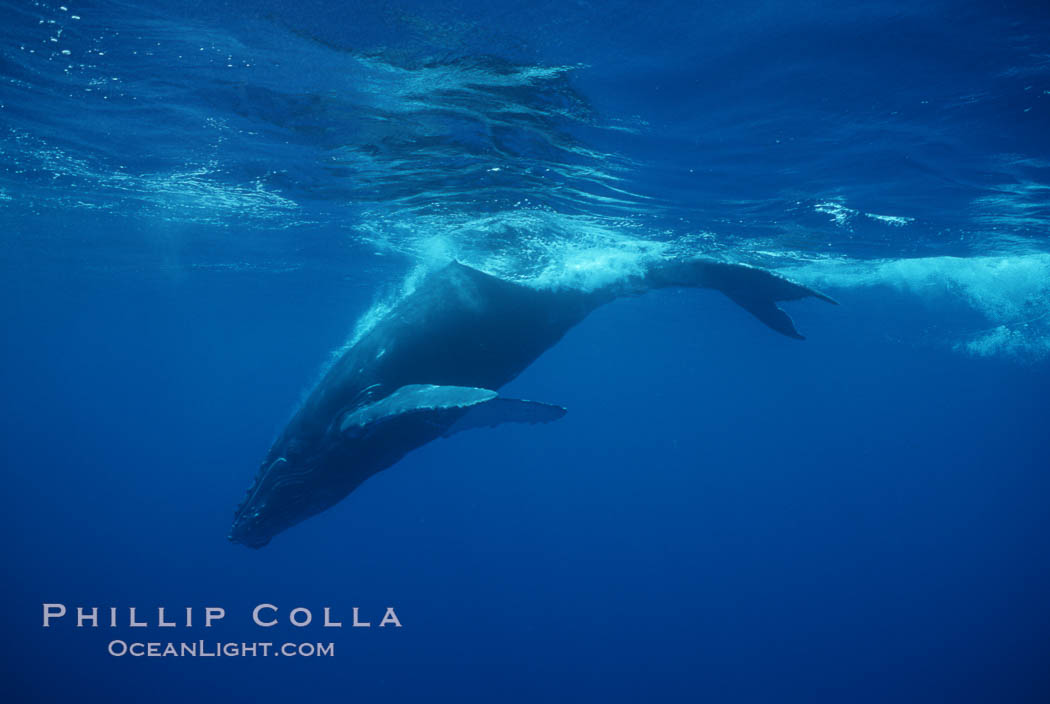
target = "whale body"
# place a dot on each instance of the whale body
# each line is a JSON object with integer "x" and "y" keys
{"x": 432, "y": 367}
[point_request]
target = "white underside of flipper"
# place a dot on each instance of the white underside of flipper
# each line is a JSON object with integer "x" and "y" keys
{"x": 484, "y": 408}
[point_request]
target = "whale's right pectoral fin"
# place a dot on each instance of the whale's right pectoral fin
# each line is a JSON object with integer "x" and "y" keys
{"x": 475, "y": 408}
{"x": 505, "y": 410}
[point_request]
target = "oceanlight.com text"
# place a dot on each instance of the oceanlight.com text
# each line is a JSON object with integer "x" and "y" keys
{"x": 213, "y": 649}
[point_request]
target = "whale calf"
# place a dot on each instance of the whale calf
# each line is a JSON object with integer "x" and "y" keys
{"x": 432, "y": 367}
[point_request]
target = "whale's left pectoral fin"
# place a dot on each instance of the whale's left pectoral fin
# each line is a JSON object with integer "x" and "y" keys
{"x": 479, "y": 408}
{"x": 505, "y": 410}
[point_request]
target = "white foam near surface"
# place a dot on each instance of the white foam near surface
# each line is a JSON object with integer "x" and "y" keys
{"x": 842, "y": 215}
{"x": 531, "y": 245}
{"x": 895, "y": 220}
{"x": 1010, "y": 291}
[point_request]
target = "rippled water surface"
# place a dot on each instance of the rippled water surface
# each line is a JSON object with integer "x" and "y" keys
{"x": 534, "y": 140}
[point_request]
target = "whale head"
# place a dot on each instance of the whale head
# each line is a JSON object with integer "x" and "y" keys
{"x": 321, "y": 459}
{"x": 302, "y": 476}
{"x": 254, "y": 523}
{"x": 290, "y": 486}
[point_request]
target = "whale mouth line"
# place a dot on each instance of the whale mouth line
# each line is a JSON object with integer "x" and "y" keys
{"x": 256, "y": 544}
{"x": 257, "y": 520}
{"x": 254, "y": 491}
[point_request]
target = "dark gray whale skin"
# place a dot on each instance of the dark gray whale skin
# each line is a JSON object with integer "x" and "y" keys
{"x": 464, "y": 332}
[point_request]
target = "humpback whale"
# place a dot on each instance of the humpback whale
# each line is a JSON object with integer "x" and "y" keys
{"x": 433, "y": 367}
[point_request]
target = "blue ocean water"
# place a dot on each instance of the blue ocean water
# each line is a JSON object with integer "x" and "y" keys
{"x": 201, "y": 202}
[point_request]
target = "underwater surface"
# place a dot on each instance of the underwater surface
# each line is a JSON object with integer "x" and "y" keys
{"x": 202, "y": 204}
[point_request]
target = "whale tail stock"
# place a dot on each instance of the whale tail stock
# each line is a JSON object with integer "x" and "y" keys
{"x": 755, "y": 290}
